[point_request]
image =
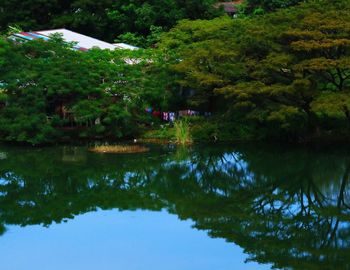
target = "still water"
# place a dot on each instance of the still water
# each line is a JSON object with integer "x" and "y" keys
{"x": 206, "y": 207}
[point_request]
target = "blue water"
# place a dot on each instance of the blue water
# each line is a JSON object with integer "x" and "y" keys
{"x": 119, "y": 240}
{"x": 212, "y": 207}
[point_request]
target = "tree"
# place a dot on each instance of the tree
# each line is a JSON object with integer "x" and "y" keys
{"x": 308, "y": 57}
{"x": 105, "y": 19}
{"x": 272, "y": 68}
{"x": 262, "y": 6}
{"x": 200, "y": 53}
{"x": 50, "y": 87}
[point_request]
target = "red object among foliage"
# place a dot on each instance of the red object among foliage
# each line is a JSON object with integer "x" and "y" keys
{"x": 229, "y": 7}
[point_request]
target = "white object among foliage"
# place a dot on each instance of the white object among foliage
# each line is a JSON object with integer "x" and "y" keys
{"x": 86, "y": 41}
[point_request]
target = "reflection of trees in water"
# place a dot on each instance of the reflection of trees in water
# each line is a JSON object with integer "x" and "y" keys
{"x": 42, "y": 188}
{"x": 288, "y": 207}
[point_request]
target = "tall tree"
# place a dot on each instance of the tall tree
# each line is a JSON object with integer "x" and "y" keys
{"x": 277, "y": 70}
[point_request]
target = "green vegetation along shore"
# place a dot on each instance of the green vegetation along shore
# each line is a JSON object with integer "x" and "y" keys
{"x": 279, "y": 70}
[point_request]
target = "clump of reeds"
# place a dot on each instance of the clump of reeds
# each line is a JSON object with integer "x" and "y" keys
{"x": 182, "y": 132}
{"x": 119, "y": 149}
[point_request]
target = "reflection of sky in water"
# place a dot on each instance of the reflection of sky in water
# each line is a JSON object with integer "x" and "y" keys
{"x": 276, "y": 188}
{"x": 119, "y": 240}
{"x": 230, "y": 162}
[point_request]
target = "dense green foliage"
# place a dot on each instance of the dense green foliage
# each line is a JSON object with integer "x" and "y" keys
{"x": 105, "y": 19}
{"x": 286, "y": 74}
{"x": 50, "y": 88}
{"x": 262, "y": 6}
{"x": 283, "y": 75}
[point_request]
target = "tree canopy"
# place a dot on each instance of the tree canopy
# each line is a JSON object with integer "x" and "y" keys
{"x": 49, "y": 87}
{"x": 263, "y": 6}
{"x": 105, "y": 19}
{"x": 280, "y": 75}
{"x": 284, "y": 72}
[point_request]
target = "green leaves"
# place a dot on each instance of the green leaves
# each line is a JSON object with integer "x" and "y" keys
{"x": 332, "y": 104}
{"x": 258, "y": 7}
{"x": 269, "y": 68}
{"x": 49, "y": 87}
{"x": 104, "y": 19}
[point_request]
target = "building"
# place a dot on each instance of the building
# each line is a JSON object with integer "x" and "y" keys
{"x": 83, "y": 43}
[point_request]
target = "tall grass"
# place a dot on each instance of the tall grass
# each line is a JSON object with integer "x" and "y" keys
{"x": 182, "y": 132}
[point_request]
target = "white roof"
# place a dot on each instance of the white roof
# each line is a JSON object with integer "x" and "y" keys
{"x": 125, "y": 46}
{"x": 83, "y": 41}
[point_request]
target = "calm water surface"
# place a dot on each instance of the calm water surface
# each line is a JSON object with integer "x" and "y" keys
{"x": 205, "y": 207}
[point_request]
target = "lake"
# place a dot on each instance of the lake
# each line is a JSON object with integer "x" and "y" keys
{"x": 244, "y": 206}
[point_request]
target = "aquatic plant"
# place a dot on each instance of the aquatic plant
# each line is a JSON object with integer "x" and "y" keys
{"x": 182, "y": 132}
{"x": 119, "y": 149}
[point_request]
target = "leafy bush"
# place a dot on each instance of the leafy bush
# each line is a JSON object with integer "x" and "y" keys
{"x": 52, "y": 89}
